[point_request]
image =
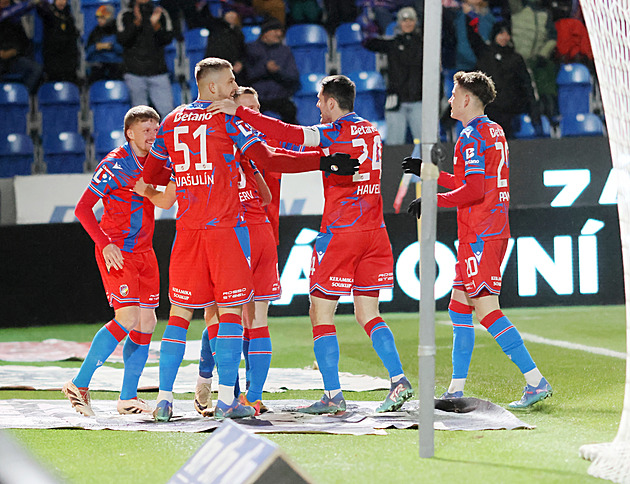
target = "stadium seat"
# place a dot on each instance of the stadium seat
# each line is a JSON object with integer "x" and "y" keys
{"x": 109, "y": 102}
{"x": 370, "y": 99}
{"x": 64, "y": 153}
{"x": 16, "y": 155}
{"x": 305, "y": 99}
{"x": 574, "y": 89}
{"x": 176, "y": 87}
{"x": 309, "y": 44}
{"x": 14, "y": 105}
{"x": 60, "y": 106}
{"x": 523, "y": 127}
{"x": 195, "y": 42}
{"x": 352, "y": 55}
{"x": 170, "y": 55}
{"x": 581, "y": 124}
{"x": 251, "y": 33}
{"x": 88, "y": 9}
{"x": 106, "y": 142}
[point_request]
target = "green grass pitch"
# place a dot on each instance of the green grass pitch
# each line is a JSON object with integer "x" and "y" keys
{"x": 586, "y": 408}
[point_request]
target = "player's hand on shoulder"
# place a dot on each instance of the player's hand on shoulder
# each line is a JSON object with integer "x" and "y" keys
{"x": 412, "y": 165}
{"x": 415, "y": 207}
{"x": 339, "y": 164}
{"x": 227, "y": 106}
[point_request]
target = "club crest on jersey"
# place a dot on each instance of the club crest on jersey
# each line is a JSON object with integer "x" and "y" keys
{"x": 102, "y": 174}
{"x": 124, "y": 290}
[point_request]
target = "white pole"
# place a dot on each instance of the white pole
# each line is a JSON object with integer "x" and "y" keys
{"x": 431, "y": 85}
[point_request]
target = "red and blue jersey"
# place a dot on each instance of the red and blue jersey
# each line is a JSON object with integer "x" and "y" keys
{"x": 352, "y": 204}
{"x": 205, "y": 164}
{"x": 249, "y": 195}
{"x": 482, "y": 149}
{"x": 128, "y": 218}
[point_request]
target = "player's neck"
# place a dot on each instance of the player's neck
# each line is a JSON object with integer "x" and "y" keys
{"x": 469, "y": 116}
{"x": 140, "y": 153}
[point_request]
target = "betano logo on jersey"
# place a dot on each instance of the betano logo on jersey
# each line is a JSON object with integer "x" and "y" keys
{"x": 194, "y": 116}
{"x": 359, "y": 130}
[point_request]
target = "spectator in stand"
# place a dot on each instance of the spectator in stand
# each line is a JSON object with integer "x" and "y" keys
{"x": 304, "y": 11}
{"x": 271, "y": 9}
{"x": 103, "y": 53}
{"x": 144, "y": 30}
{"x": 226, "y": 41}
{"x": 534, "y": 37}
{"x": 403, "y": 108}
{"x": 60, "y": 48}
{"x": 337, "y": 12}
{"x": 506, "y": 67}
{"x": 477, "y": 14}
{"x": 573, "y": 44}
{"x": 272, "y": 71}
{"x": 15, "y": 47}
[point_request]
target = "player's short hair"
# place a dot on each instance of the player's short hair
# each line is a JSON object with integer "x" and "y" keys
{"x": 341, "y": 89}
{"x": 245, "y": 90}
{"x": 478, "y": 84}
{"x": 210, "y": 65}
{"x": 138, "y": 114}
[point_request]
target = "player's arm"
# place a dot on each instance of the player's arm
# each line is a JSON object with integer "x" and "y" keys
{"x": 161, "y": 199}
{"x": 156, "y": 169}
{"x": 284, "y": 161}
{"x": 263, "y": 189}
{"x": 273, "y": 128}
{"x": 470, "y": 192}
{"x": 84, "y": 211}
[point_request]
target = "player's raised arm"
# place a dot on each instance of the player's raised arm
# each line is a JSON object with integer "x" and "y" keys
{"x": 161, "y": 199}
{"x": 273, "y": 128}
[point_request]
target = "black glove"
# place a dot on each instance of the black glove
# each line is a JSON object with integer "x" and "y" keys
{"x": 412, "y": 165}
{"x": 414, "y": 207}
{"x": 339, "y": 164}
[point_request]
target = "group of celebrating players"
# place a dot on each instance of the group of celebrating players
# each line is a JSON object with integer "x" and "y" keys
{"x": 221, "y": 160}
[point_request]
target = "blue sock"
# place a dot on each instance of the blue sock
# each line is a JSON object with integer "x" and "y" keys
{"x": 206, "y": 360}
{"x": 463, "y": 338}
{"x": 326, "y": 348}
{"x": 509, "y": 339}
{"x": 384, "y": 345}
{"x": 229, "y": 346}
{"x": 259, "y": 361}
{"x": 103, "y": 345}
{"x": 248, "y": 370}
{"x": 135, "y": 354}
{"x": 172, "y": 351}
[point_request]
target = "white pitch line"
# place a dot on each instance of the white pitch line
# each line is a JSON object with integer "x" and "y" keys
{"x": 561, "y": 344}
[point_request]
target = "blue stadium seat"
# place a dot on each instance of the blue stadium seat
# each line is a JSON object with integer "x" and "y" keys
{"x": 305, "y": 99}
{"x": 352, "y": 55}
{"x": 581, "y": 124}
{"x": 251, "y": 33}
{"x": 16, "y": 155}
{"x": 370, "y": 100}
{"x": 309, "y": 44}
{"x": 195, "y": 41}
{"x": 574, "y": 89}
{"x": 523, "y": 127}
{"x": 109, "y": 102}
{"x": 106, "y": 142}
{"x": 88, "y": 9}
{"x": 64, "y": 153}
{"x": 60, "y": 107}
{"x": 390, "y": 31}
{"x": 170, "y": 55}
{"x": 447, "y": 82}
{"x": 14, "y": 105}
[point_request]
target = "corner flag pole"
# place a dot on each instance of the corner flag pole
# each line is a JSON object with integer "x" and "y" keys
{"x": 431, "y": 84}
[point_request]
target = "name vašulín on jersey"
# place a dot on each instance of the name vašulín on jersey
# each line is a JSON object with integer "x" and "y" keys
{"x": 194, "y": 180}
